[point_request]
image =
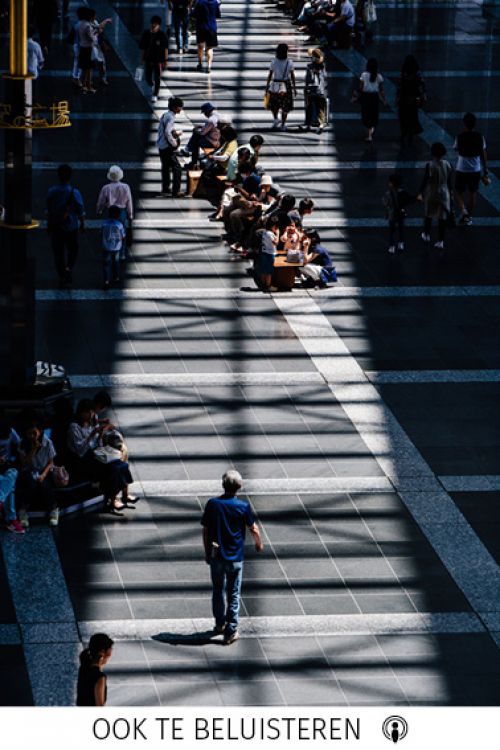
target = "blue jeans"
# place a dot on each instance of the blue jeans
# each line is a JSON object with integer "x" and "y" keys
{"x": 7, "y": 497}
{"x": 111, "y": 265}
{"x": 226, "y": 584}
{"x": 181, "y": 25}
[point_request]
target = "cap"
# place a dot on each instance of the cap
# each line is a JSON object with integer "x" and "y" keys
{"x": 207, "y": 107}
{"x": 115, "y": 173}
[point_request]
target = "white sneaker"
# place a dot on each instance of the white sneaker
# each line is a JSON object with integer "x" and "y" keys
{"x": 401, "y": 247}
{"x": 154, "y": 99}
{"x": 439, "y": 245}
{"x": 54, "y": 517}
{"x": 392, "y": 249}
{"x": 23, "y": 519}
{"x": 425, "y": 237}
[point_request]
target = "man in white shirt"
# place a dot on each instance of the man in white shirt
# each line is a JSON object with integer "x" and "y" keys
{"x": 35, "y": 56}
{"x": 168, "y": 141}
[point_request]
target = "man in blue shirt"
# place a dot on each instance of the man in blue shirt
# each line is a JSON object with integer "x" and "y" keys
{"x": 65, "y": 216}
{"x": 224, "y": 522}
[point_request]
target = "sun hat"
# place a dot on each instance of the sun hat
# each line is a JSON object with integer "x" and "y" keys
{"x": 115, "y": 173}
{"x": 266, "y": 179}
{"x": 316, "y": 54}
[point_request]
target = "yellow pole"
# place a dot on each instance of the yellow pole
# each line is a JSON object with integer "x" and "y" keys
{"x": 18, "y": 52}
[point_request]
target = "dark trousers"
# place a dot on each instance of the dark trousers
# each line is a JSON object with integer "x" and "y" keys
{"x": 152, "y": 73}
{"x": 441, "y": 227}
{"x": 110, "y": 266}
{"x": 28, "y": 489}
{"x": 396, "y": 229}
{"x": 315, "y": 109}
{"x": 196, "y": 142}
{"x": 181, "y": 24}
{"x": 65, "y": 249}
{"x": 170, "y": 163}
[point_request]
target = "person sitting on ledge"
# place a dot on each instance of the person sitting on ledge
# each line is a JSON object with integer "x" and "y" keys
{"x": 84, "y": 439}
{"x": 35, "y": 480}
{"x": 203, "y": 136}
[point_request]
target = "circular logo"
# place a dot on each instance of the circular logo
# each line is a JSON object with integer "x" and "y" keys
{"x": 395, "y": 728}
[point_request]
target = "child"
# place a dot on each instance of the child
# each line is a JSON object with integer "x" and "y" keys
{"x": 113, "y": 236}
{"x": 395, "y": 200}
{"x": 270, "y": 239}
{"x": 291, "y": 239}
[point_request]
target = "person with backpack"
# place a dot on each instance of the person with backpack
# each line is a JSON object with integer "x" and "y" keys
{"x": 112, "y": 239}
{"x": 65, "y": 219}
{"x": 435, "y": 192}
{"x": 315, "y": 92}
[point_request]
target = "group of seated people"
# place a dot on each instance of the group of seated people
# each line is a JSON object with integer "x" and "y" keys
{"x": 333, "y": 22}
{"x": 81, "y": 446}
{"x": 253, "y": 208}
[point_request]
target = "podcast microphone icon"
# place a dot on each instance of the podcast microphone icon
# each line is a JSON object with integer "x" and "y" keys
{"x": 395, "y": 728}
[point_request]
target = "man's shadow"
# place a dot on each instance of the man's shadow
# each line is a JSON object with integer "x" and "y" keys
{"x": 190, "y": 639}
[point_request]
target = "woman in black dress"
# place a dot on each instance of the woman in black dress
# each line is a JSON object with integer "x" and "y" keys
{"x": 410, "y": 97}
{"x": 92, "y": 681}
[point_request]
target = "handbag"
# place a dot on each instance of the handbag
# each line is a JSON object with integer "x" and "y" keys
{"x": 107, "y": 455}
{"x": 266, "y": 100}
{"x": 139, "y": 73}
{"x": 60, "y": 476}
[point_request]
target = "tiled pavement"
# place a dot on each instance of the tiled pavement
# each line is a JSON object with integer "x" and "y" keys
{"x": 376, "y": 585}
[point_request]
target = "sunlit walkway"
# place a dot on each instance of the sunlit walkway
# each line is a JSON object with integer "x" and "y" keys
{"x": 365, "y": 417}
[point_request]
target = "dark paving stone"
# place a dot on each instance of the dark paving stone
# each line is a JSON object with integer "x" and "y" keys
{"x": 454, "y": 426}
{"x": 482, "y": 511}
{"x": 16, "y": 690}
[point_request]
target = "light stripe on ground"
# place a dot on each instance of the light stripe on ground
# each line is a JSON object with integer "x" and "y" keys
{"x": 268, "y": 163}
{"x": 193, "y": 380}
{"x": 290, "y": 626}
{"x": 472, "y": 483}
{"x": 434, "y": 376}
{"x": 468, "y": 561}
{"x": 307, "y": 485}
{"x": 83, "y": 295}
{"x": 336, "y": 222}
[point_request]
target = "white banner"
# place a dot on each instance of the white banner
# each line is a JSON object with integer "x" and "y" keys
{"x": 210, "y": 728}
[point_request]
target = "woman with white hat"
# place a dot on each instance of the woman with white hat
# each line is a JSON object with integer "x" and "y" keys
{"x": 315, "y": 91}
{"x": 118, "y": 193}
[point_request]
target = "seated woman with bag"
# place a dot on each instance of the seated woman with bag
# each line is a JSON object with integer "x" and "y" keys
{"x": 36, "y": 478}
{"x": 85, "y": 443}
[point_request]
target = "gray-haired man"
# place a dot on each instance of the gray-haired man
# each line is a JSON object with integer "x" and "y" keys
{"x": 224, "y": 522}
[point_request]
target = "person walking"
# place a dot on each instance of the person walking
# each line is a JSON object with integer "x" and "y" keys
{"x": 371, "y": 89}
{"x": 410, "y": 97}
{"x": 118, "y": 193}
{"x": 91, "y": 688}
{"x": 224, "y": 522}
{"x": 168, "y": 142}
{"x": 112, "y": 241}
{"x": 435, "y": 192}
{"x": 180, "y": 21}
{"x": 35, "y": 55}
{"x": 65, "y": 218}
{"x": 205, "y": 14}
{"x": 154, "y": 55}
{"x": 315, "y": 92}
{"x": 281, "y": 86}
{"x": 471, "y": 148}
